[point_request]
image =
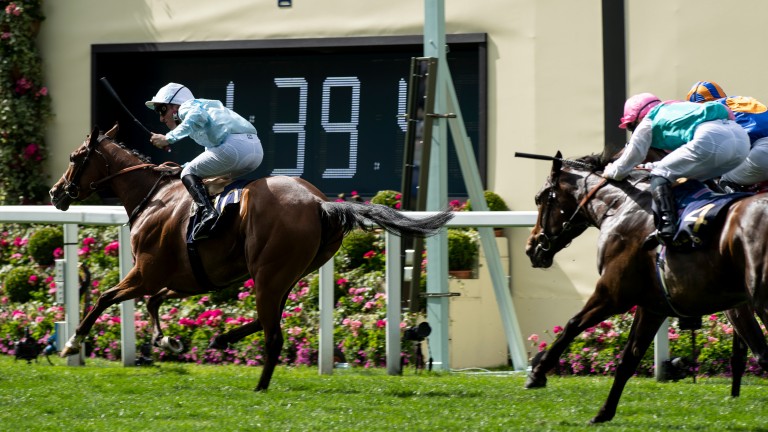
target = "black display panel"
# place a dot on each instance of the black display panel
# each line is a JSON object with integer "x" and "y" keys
{"x": 327, "y": 110}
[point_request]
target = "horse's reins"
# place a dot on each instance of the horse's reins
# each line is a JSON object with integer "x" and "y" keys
{"x": 567, "y": 225}
{"x": 70, "y": 185}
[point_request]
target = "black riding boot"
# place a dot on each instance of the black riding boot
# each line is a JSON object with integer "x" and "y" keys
{"x": 195, "y": 187}
{"x": 666, "y": 222}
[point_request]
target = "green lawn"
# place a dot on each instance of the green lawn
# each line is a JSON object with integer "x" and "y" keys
{"x": 104, "y": 396}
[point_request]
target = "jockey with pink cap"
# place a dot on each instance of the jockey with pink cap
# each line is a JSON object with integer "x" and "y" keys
{"x": 703, "y": 140}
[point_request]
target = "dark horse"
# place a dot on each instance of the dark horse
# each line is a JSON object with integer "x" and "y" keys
{"x": 283, "y": 230}
{"x": 730, "y": 274}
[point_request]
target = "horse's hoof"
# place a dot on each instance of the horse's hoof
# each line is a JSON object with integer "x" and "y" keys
{"x": 170, "y": 344}
{"x": 68, "y": 351}
{"x": 532, "y": 382}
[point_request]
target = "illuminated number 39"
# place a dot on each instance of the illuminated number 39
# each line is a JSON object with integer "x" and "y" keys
{"x": 299, "y": 128}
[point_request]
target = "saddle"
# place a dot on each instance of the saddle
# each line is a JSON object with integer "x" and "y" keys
{"x": 228, "y": 194}
{"x": 701, "y": 212}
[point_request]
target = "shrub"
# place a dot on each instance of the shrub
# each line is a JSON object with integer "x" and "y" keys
{"x": 388, "y": 198}
{"x": 22, "y": 284}
{"x": 462, "y": 249}
{"x": 356, "y": 247}
{"x": 43, "y": 242}
{"x": 494, "y": 201}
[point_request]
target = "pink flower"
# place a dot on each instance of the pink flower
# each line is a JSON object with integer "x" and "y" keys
{"x": 5, "y": 35}
{"x": 533, "y": 338}
{"x": 341, "y": 281}
{"x": 89, "y": 241}
{"x": 12, "y": 9}
{"x": 203, "y": 300}
{"x": 297, "y": 309}
{"x": 58, "y": 253}
{"x": 381, "y": 323}
{"x": 33, "y": 279}
{"x": 249, "y": 283}
{"x": 32, "y": 152}
{"x": 557, "y": 329}
{"x": 542, "y": 346}
{"x": 242, "y": 295}
{"x": 369, "y": 254}
{"x": 112, "y": 249}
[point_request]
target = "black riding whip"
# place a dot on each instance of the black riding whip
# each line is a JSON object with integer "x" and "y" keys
{"x": 117, "y": 98}
{"x": 552, "y": 158}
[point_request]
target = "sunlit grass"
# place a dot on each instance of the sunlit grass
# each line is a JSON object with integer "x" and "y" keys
{"x": 105, "y": 396}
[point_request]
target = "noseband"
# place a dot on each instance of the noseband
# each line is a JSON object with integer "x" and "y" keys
{"x": 544, "y": 241}
{"x": 71, "y": 186}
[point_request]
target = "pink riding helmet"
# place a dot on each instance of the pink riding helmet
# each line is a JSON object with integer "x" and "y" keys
{"x": 637, "y": 107}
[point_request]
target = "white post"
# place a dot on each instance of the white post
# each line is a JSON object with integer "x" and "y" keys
{"x": 325, "y": 360}
{"x": 127, "y": 316}
{"x": 72, "y": 289}
{"x": 661, "y": 349}
{"x": 393, "y": 288}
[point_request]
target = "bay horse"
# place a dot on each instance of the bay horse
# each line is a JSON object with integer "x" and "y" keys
{"x": 730, "y": 274}
{"x": 284, "y": 229}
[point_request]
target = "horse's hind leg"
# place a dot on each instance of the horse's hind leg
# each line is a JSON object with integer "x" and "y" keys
{"x": 269, "y": 306}
{"x": 595, "y": 311}
{"x": 223, "y": 340}
{"x": 747, "y": 330}
{"x": 641, "y": 335}
{"x": 738, "y": 364}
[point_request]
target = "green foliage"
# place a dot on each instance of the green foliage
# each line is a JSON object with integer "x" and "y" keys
{"x": 494, "y": 201}
{"x": 24, "y": 105}
{"x": 462, "y": 249}
{"x": 22, "y": 284}
{"x": 44, "y": 242}
{"x": 356, "y": 248}
{"x": 388, "y": 198}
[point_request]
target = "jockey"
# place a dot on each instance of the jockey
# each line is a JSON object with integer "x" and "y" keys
{"x": 704, "y": 142}
{"x": 753, "y": 117}
{"x": 232, "y": 147}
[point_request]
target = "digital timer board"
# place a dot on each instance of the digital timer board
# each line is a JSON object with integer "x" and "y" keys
{"x": 328, "y": 110}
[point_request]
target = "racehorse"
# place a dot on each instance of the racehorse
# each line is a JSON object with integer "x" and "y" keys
{"x": 730, "y": 274}
{"x": 283, "y": 230}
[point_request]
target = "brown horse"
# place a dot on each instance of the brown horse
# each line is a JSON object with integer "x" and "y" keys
{"x": 731, "y": 274}
{"x": 283, "y": 230}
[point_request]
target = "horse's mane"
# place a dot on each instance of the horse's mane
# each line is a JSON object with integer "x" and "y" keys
{"x": 134, "y": 152}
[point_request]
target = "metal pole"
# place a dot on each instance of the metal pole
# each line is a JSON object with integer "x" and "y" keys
{"x": 437, "y": 192}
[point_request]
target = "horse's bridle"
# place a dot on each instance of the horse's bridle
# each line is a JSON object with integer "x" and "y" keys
{"x": 544, "y": 241}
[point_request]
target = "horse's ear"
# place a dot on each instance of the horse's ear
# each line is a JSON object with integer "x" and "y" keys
{"x": 557, "y": 163}
{"x": 112, "y": 133}
{"x": 94, "y": 138}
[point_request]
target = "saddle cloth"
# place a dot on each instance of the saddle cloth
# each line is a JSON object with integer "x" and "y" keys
{"x": 700, "y": 213}
{"x": 230, "y": 195}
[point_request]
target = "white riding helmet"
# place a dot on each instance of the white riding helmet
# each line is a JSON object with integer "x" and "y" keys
{"x": 171, "y": 93}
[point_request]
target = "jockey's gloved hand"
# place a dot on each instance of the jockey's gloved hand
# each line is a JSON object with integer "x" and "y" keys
{"x": 612, "y": 172}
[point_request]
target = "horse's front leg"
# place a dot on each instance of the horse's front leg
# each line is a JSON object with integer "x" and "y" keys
{"x": 644, "y": 328}
{"x": 597, "y": 309}
{"x": 129, "y": 288}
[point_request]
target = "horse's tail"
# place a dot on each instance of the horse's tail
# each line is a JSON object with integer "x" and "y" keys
{"x": 353, "y": 215}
